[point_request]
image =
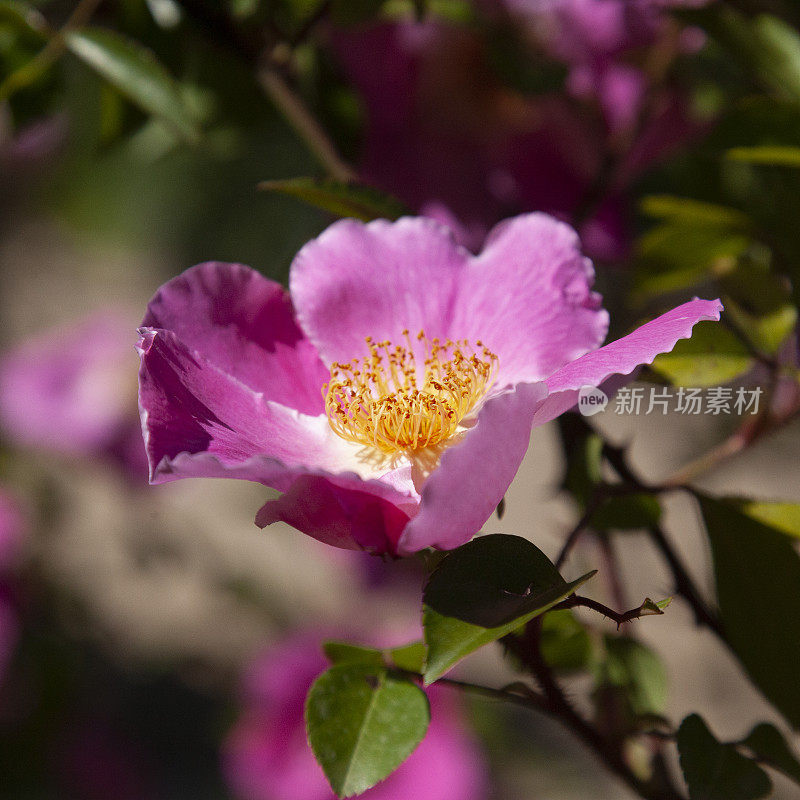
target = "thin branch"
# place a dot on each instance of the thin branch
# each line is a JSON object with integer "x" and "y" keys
{"x": 646, "y": 609}
{"x": 684, "y": 584}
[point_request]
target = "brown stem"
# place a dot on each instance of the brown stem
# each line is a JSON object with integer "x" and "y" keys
{"x": 620, "y": 617}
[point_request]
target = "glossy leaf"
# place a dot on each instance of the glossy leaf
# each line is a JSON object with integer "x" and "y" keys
{"x": 362, "y": 723}
{"x": 715, "y": 771}
{"x": 136, "y": 73}
{"x": 757, "y": 572}
{"x": 768, "y": 744}
{"x": 342, "y": 199}
{"x": 500, "y": 583}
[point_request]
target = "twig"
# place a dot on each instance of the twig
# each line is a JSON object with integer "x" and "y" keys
{"x": 646, "y": 609}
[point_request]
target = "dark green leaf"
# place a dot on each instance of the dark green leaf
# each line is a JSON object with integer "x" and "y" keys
{"x": 346, "y": 653}
{"x": 136, "y": 73}
{"x": 362, "y": 723}
{"x": 343, "y": 199}
{"x": 493, "y": 580}
{"x": 712, "y": 356}
{"x": 410, "y": 657}
{"x": 715, "y": 771}
{"x": 757, "y": 573}
{"x": 768, "y": 744}
{"x": 692, "y": 212}
{"x": 500, "y": 583}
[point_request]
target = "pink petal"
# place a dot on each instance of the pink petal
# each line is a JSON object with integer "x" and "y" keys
{"x": 623, "y": 356}
{"x": 357, "y": 280}
{"x": 461, "y": 494}
{"x": 527, "y": 295}
{"x": 244, "y": 324}
{"x": 191, "y": 410}
{"x": 347, "y": 517}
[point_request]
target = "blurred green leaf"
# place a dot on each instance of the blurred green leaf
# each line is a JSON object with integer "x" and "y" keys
{"x": 693, "y": 212}
{"x": 757, "y": 573}
{"x": 678, "y": 254}
{"x": 499, "y": 582}
{"x": 343, "y": 199}
{"x": 765, "y": 46}
{"x": 767, "y": 332}
{"x": 136, "y": 73}
{"x": 564, "y": 643}
{"x": 353, "y": 12}
{"x": 783, "y": 517}
{"x": 583, "y": 450}
{"x": 715, "y": 771}
{"x": 24, "y": 19}
{"x": 774, "y": 155}
{"x": 637, "y": 671}
{"x": 346, "y": 653}
{"x": 362, "y": 723}
{"x": 628, "y": 512}
{"x": 768, "y": 744}
{"x": 410, "y": 657}
{"x": 712, "y": 356}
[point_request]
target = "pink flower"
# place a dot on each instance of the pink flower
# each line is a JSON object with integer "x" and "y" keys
{"x": 237, "y": 380}
{"x": 69, "y": 390}
{"x": 266, "y": 755}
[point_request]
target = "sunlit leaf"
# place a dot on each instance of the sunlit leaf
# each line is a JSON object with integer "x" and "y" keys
{"x": 783, "y": 517}
{"x": 410, "y": 657}
{"x": 346, "y": 653}
{"x": 362, "y": 723}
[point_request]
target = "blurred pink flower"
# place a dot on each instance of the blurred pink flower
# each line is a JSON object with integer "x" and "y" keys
{"x": 71, "y": 390}
{"x": 266, "y": 755}
{"x": 451, "y": 141}
{"x": 233, "y": 373}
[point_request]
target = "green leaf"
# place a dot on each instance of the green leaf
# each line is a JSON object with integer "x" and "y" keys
{"x": 712, "y": 356}
{"x": 343, "y": 199}
{"x": 410, "y": 657}
{"x": 136, "y": 73}
{"x": 775, "y": 155}
{"x": 483, "y": 591}
{"x": 677, "y": 254}
{"x": 629, "y": 512}
{"x": 767, "y": 744}
{"x": 564, "y": 643}
{"x": 767, "y": 47}
{"x": 693, "y": 212}
{"x": 715, "y": 771}
{"x": 637, "y": 671}
{"x": 346, "y": 653}
{"x": 362, "y": 723}
{"x": 768, "y": 331}
{"x": 757, "y": 572}
{"x": 783, "y": 517}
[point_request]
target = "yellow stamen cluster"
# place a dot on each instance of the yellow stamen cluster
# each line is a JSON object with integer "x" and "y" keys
{"x": 384, "y": 401}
